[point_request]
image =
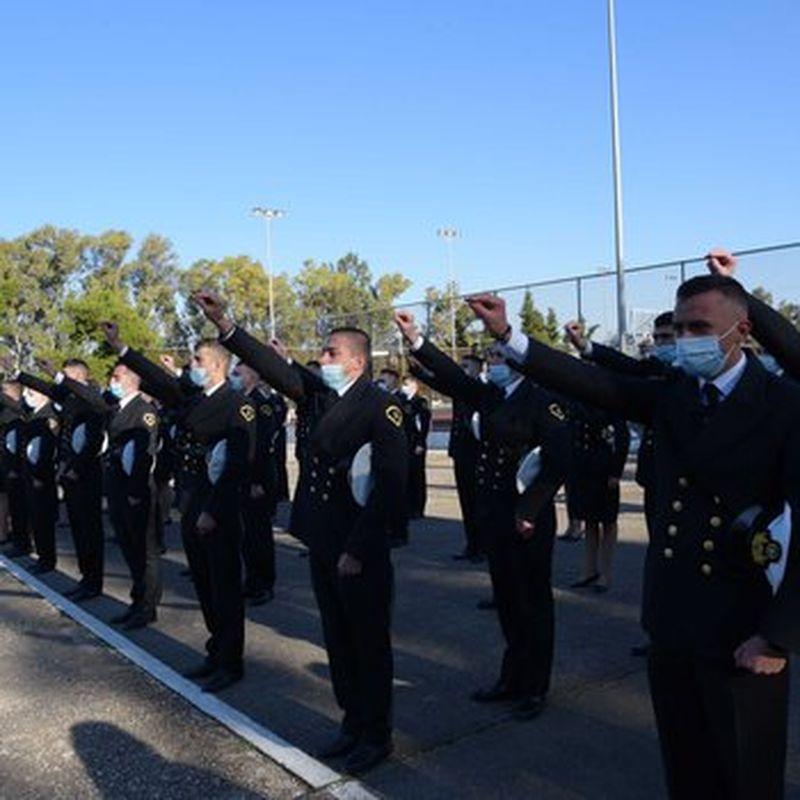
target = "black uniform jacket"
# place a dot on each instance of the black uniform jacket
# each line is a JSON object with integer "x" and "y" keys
{"x": 776, "y": 335}
{"x": 706, "y": 588}
{"x": 80, "y": 424}
{"x": 40, "y": 442}
{"x": 224, "y": 419}
{"x": 324, "y": 514}
{"x": 510, "y": 427}
{"x": 133, "y": 426}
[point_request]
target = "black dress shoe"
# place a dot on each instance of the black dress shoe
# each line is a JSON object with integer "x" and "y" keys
{"x": 584, "y": 582}
{"x": 73, "y": 591}
{"x": 222, "y": 679}
{"x": 640, "y": 650}
{"x": 43, "y": 568}
{"x": 205, "y": 670}
{"x": 342, "y": 745}
{"x": 486, "y": 605}
{"x": 494, "y": 694}
{"x": 260, "y": 598}
{"x": 124, "y": 617}
{"x": 86, "y": 593}
{"x": 366, "y": 756}
{"x": 528, "y": 708}
{"x": 139, "y": 619}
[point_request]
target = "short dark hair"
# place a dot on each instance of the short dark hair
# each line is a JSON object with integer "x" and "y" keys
{"x": 216, "y": 347}
{"x": 359, "y": 340}
{"x": 77, "y": 362}
{"x": 313, "y": 363}
{"x": 663, "y": 319}
{"x": 728, "y": 287}
{"x": 390, "y": 371}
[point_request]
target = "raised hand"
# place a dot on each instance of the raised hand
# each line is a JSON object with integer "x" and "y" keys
{"x": 111, "y": 332}
{"x": 492, "y": 311}
{"x": 46, "y": 366}
{"x": 280, "y": 348}
{"x": 721, "y": 262}
{"x": 405, "y": 323}
{"x": 213, "y": 306}
{"x": 575, "y": 334}
{"x": 168, "y": 362}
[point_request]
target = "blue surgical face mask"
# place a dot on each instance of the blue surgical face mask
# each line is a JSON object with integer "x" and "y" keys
{"x": 665, "y": 353}
{"x": 198, "y": 376}
{"x": 237, "y": 382}
{"x": 500, "y": 375}
{"x": 770, "y": 364}
{"x": 115, "y": 387}
{"x": 334, "y": 376}
{"x": 702, "y": 356}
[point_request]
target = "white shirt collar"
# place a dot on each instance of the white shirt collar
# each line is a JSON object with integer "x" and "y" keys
{"x": 214, "y": 388}
{"x": 726, "y": 381}
{"x": 512, "y": 387}
{"x": 346, "y": 387}
{"x": 127, "y": 399}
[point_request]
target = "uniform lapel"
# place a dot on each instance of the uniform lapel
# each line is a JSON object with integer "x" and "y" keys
{"x": 339, "y": 417}
{"x": 707, "y": 441}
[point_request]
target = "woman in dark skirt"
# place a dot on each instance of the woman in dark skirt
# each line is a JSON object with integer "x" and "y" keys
{"x": 600, "y": 449}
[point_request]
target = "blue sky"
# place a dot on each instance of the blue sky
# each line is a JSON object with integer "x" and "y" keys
{"x": 375, "y": 123}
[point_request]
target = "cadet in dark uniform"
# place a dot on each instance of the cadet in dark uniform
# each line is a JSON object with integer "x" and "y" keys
{"x": 600, "y": 449}
{"x": 727, "y": 438}
{"x": 80, "y": 475}
{"x": 351, "y": 570}
{"x": 40, "y": 442}
{"x": 516, "y": 416}
{"x": 656, "y": 365}
{"x": 776, "y": 334}
{"x": 419, "y": 414}
{"x": 216, "y": 436}
{"x": 12, "y": 461}
{"x": 306, "y": 417}
{"x": 463, "y": 448}
{"x": 260, "y": 492}
{"x": 132, "y": 426}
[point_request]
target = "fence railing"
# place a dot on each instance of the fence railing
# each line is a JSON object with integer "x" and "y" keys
{"x": 587, "y": 296}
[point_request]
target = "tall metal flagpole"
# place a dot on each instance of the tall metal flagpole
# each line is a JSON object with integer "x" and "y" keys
{"x": 269, "y": 214}
{"x": 622, "y": 314}
{"x": 449, "y": 235}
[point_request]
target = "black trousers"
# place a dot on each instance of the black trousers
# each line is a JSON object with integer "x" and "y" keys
{"x": 520, "y": 570}
{"x": 258, "y": 543}
{"x": 722, "y": 730}
{"x": 464, "y": 467}
{"x": 135, "y": 529}
{"x": 356, "y": 616}
{"x": 215, "y": 564}
{"x": 42, "y": 503}
{"x": 18, "y": 510}
{"x": 417, "y": 492}
{"x": 84, "y": 501}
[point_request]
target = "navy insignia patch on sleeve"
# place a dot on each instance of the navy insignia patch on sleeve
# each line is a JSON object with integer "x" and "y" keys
{"x": 248, "y": 413}
{"x": 149, "y": 419}
{"x": 266, "y": 409}
{"x": 765, "y": 550}
{"x": 394, "y": 415}
{"x": 558, "y": 412}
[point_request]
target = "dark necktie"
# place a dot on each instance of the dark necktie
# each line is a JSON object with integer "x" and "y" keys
{"x": 711, "y": 397}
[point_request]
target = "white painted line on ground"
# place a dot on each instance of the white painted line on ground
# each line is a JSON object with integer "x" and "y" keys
{"x": 308, "y": 769}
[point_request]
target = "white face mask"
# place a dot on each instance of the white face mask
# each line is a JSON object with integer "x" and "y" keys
{"x": 702, "y": 356}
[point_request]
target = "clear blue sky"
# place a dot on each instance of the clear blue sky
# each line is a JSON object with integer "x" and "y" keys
{"x": 374, "y": 123}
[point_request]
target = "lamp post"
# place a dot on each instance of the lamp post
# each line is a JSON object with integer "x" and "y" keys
{"x": 268, "y": 215}
{"x": 622, "y": 322}
{"x": 449, "y": 235}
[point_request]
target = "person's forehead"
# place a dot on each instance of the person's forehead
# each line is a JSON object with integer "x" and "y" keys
{"x": 699, "y": 306}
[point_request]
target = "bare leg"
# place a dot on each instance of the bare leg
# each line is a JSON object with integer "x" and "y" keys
{"x": 590, "y": 550}
{"x": 608, "y": 544}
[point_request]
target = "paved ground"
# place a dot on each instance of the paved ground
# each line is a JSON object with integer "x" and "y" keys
{"x": 596, "y": 740}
